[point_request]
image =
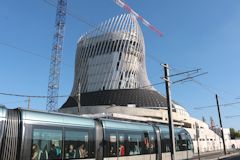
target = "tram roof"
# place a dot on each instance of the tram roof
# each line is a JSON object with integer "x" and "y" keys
{"x": 126, "y": 125}
{"x": 30, "y": 116}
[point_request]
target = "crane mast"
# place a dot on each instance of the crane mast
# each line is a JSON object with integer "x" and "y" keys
{"x": 55, "y": 63}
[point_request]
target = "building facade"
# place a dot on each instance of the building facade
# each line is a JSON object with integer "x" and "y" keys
{"x": 110, "y": 67}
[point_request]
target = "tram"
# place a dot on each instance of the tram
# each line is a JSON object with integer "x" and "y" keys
{"x": 38, "y": 135}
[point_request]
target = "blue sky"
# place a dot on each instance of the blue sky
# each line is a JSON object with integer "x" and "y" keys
{"x": 197, "y": 34}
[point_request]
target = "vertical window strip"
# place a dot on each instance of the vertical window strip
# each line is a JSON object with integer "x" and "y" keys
{"x": 100, "y": 69}
{"x": 86, "y": 57}
{"x": 117, "y": 27}
{"x": 116, "y": 79}
{"x": 112, "y": 80}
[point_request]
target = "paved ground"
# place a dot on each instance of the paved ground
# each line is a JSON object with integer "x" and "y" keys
{"x": 233, "y": 158}
{"x": 232, "y": 155}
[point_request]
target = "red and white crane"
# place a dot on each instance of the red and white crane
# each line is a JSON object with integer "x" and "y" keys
{"x": 139, "y": 17}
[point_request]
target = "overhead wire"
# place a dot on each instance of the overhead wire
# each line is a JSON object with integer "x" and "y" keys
{"x": 212, "y": 90}
{"x": 234, "y": 116}
{"x": 189, "y": 78}
{"x": 9, "y": 102}
{"x": 61, "y": 96}
{"x": 210, "y": 106}
{"x": 186, "y": 72}
{"x": 151, "y": 85}
{"x": 24, "y": 50}
{"x": 204, "y": 87}
{"x": 27, "y": 96}
{"x": 209, "y": 89}
{"x": 30, "y": 53}
{"x": 70, "y": 12}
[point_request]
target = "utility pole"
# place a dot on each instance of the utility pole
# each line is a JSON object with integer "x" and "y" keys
{"x": 197, "y": 137}
{"x": 203, "y": 119}
{"x": 169, "y": 103}
{"x": 29, "y": 102}
{"x": 221, "y": 127}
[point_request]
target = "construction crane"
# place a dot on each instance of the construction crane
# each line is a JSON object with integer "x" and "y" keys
{"x": 55, "y": 64}
{"x": 144, "y": 21}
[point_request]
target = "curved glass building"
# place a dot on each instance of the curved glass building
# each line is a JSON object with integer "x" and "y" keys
{"x": 110, "y": 67}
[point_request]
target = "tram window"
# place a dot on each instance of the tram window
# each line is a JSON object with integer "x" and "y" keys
{"x": 165, "y": 140}
{"x": 178, "y": 142}
{"x": 152, "y": 143}
{"x": 145, "y": 143}
{"x": 78, "y": 144}
{"x": 127, "y": 143}
{"x": 127, "y": 139}
{"x": 182, "y": 139}
{"x": 189, "y": 142}
{"x": 121, "y": 144}
{"x": 134, "y": 146}
{"x": 140, "y": 143}
{"x": 46, "y": 144}
{"x": 114, "y": 144}
{"x": 182, "y": 142}
{"x": 110, "y": 147}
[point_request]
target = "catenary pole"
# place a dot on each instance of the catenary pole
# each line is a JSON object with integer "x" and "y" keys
{"x": 221, "y": 126}
{"x": 169, "y": 103}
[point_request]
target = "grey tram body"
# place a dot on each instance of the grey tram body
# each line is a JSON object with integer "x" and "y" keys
{"x": 21, "y": 129}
